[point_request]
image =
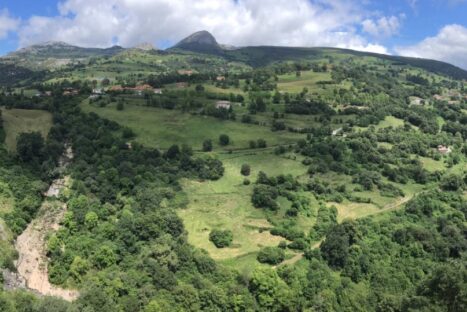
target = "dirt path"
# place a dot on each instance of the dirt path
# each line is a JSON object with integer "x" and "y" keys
{"x": 32, "y": 272}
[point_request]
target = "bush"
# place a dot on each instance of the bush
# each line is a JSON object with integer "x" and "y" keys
{"x": 224, "y": 139}
{"x": 245, "y": 170}
{"x": 271, "y": 255}
{"x": 221, "y": 238}
{"x": 207, "y": 146}
{"x": 452, "y": 182}
{"x": 120, "y": 106}
{"x": 264, "y": 197}
{"x": 261, "y": 143}
{"x": 246, "y": 182}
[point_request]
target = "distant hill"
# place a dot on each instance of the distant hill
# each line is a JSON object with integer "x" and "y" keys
{"x": 264, "y": 55}
{"x": 54, "y": 54}
{"x": 63, "y": 50}
{"x": 201, "y": 42}
{"x": 204, "y": 42}
{"x": 51, "y": 55}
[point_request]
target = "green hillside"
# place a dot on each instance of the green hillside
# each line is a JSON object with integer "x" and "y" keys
{"x": 255, "y": 179}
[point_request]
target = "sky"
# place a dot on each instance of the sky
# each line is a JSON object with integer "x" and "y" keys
{"x": 435, "y": 29}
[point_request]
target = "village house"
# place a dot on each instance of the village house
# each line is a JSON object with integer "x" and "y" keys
{"x": 185, "y": 72}
{"x": 97, "y": 91}
{"x": 223, "y": 104}
{"x": 157, "y": 91}
{"x": 220, "y": 78}
{"x": 443, "y": 149}
{"x": 70, "y": 92}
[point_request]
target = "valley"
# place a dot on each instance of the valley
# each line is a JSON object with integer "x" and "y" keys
{"x": 243, "y": 179}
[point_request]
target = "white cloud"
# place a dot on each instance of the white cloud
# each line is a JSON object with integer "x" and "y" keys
{"x": 242, "y": 22}
{"x": 7, "y": 23}
{"x": 449, "y": 45}
{"x": 384, "y": 26}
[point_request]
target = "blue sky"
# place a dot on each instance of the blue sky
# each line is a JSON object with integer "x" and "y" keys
{"x": 422, "y": 28}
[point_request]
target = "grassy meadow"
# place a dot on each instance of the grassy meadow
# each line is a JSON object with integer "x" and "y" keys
{"x": 161, "y": 128}
{"x": 16, "y": 121}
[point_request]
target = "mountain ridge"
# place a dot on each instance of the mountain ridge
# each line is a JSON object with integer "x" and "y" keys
{"x": 56, "y": 53}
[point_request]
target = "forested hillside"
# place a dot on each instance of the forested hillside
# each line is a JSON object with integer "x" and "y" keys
{"x": 203, "y": 183}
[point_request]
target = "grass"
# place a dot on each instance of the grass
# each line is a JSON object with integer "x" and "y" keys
{"x": 308, "y": 79}
{"x": 390, "y": 121}
{"x": 226, "y": 204}
{"x": 432, "y": 165}
{"x": 161, "y": 128}
{"x": 17, "y": 121}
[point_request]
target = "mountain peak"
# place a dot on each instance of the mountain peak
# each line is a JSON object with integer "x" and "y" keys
{"x": 201, "y": 41}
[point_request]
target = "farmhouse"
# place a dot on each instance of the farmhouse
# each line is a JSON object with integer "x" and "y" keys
{"x": 443, "y": 149}
{"x": 223, "y": 104}
{"x": 185, "y": 72}
{"x": 70, "y": 91}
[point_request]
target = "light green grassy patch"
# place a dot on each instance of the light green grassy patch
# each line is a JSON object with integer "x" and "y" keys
{"x": 16, "y": 121}
{"x": 161, "y": 128}
{"x": 226, "y": 204}
{"x": 390, "y": 121}
{"x": 432, "y": 165}
{"x": 308, "y": 79}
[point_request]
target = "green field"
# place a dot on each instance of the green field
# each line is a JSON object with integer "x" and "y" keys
{"x": 226, "y": 204}
{"x": 161, "y": 128}
{"x": 17, "y": 121}
{"x": 308, "y": 79}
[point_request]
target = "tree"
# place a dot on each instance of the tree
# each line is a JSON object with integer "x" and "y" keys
{"x": 120, "y": 105}
{"x": 224, "y": 139}
{"x": 29, "y": 146}
{"x": 173, "y": 152}
{"x": 207, "y": 146}
{"x": 264, "y": 197}
{"x": 261, "y": 143}
{"x": 221, "y": 238}
{"x": 452, "y": 182}
{"x": 104, "y": 257}
{"x": 271, "y": 255}
{"x": 245, "y": 170}
{"x": 271, "y": 293}
{"x": 91, "y": 219}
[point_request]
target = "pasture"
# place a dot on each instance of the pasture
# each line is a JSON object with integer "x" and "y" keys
{"x": 16, "y": 121}
{"x": 156, "y": 127}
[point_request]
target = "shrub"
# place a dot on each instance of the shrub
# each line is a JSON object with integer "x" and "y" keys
{"x": 207, "y": 146}
{"x": 264, "y": 197}
{"x": 221, "y": 238}
{"x": 245, "y": 170}
{"x": 271, "y": 255}
{"x": 261, "y": 143}
{"x": 224, "y": 139}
